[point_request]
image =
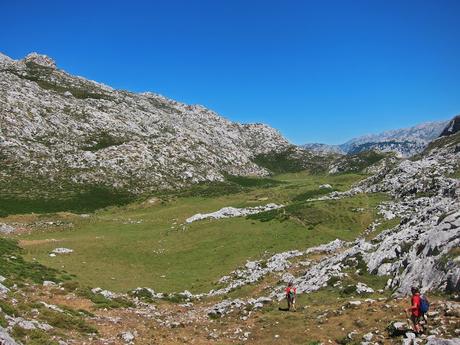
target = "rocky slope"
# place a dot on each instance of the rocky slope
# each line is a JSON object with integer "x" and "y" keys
{"x": 62, "y": 130}
{"x": 452, "y": 127}
{"x": 423, "y": 249}
{"x": 404, "y": 142}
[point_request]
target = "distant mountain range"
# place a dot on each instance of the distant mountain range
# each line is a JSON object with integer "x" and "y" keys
{"x": 404, "y": 142}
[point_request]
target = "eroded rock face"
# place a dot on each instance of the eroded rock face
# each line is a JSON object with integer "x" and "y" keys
{"x": 58, "y": 127}
{"x": 417, "y": 251}
{"x": 420, "y": 250}
{"x": 418, "y": 255}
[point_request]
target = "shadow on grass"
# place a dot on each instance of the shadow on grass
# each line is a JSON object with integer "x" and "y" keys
{"x": 87, "y": 200}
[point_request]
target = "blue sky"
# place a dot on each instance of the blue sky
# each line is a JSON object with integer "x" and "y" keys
{"x": 319, "y": 71}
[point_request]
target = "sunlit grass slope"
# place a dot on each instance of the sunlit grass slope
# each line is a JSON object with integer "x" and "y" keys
{"x": 144, "y": 245}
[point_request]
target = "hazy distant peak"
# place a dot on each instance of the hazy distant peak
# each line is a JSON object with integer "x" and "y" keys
{"x": 403, "y": 141}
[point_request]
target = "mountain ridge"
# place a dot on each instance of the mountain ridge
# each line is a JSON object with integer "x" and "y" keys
{"x": 405, "y": 142}
{"x": 68, "y": 129}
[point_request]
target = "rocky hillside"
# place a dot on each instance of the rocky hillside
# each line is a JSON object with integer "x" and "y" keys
{"x": 452, "y": 127}
{"x": 62, "y": 131}
{"x": 422, "y": 249}
{"x": 404, "y": 142}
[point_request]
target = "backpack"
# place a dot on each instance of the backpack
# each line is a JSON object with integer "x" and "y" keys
{"x": 424, "y": 305}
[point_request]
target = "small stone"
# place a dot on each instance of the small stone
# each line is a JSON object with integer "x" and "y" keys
{"x": 354, "y": 304}
{"x": 127, "y": 337}
{"x": 61, "y": 251}
{"x": 368, "y": 336}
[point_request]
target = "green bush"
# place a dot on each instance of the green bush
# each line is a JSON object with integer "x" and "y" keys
{"x": 66, "y": 321}
{"x": 102, "y": 302}
{"x": 281, "y": 162}
{"x": 3, "y": 322}
{"x": 253, "y": 182}
{"x": 103, "y": 141}
{"x": 349, "y": 290}
{"x": 32, "y": 337}
{"x": 175, "y": 298}
{"x": 14, "y": 267}
{"x": 315, "y": 193}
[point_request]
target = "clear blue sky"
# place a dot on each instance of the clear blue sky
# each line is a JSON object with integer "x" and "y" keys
{"x": 319, "y": 71}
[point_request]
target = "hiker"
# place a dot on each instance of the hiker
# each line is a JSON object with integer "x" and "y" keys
{"x": 416, "y": 314}
{"x": 290, "y": 296}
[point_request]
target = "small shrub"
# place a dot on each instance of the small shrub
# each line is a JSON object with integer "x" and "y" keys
{"x": 3, "y": 322}
{"x": 8, "y": 309}
{"x": 102, "y": 302}
{"x": 315, "y": 193}
{"x": 348, "y": 290}
{"x": 253, "y": 182}
{"x": 13, "y": 266}
{"x": 143, "y": 294}
{"x": 70, "y": 286}
{"x": 66, "y": 321}
{"x": 333, "y": 280}
{"x": 175, "y": 298}
{"x": 265, "y": 216}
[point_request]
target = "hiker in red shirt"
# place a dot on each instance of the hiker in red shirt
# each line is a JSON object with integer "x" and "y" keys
{"x": 415, "y": 310}
{"x": 290, "y": 296}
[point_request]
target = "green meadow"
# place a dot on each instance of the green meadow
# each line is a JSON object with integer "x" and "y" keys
{"x": 143, "y": 244}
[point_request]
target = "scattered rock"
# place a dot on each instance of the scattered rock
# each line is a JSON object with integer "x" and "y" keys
{"x": 127, "y": 336}
{"x": 6, "y": 229}
{"x": 105, "y": 293}
{"x": 3, "y": 289}
{"x": 438, "y": 341}
{"x": 368, "y": 336}
{"x": 5, "y": 338}
{"x": 354, "y": 304}
{"x": 398, "y": 328}
{"x": 363, "y": 288}
{"x": 228, "y": 212}
{"x": 61, "y": 251}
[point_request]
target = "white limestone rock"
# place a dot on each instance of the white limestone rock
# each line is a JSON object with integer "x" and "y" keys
{"x": 61, "y": 250}
{"x": 229, "y": 212}
{"x": 363, "y": 288}
{"x": 6, "y": 229}
{"x": 3, "y": 289}
{"x": 5, "y": 338}
{"x": 128, "y": 337}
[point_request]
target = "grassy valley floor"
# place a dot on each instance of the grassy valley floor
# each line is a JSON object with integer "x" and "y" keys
{"x": 146, "y": 244}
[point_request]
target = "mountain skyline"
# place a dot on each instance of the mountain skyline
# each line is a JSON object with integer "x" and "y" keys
{"x": 315, "y": 146}
{"x": 317, "y": 72}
